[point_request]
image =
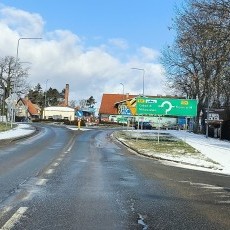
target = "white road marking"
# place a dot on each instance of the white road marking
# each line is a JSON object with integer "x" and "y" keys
{"x": 224, "y": 196}
{"x": 212, "y": 187}
{"x": 41, "y": 182}
{"x": 60, "y": 159}
{"x": 204, "y": 186}
{"x": 14, "y": 219}
{"x": 224, "y": 202}
{"x": 217, "y": 190}
{"x": 219, "y": 193}
{"x": 49, "y": 171}
{"x": 56, "y": 164}
{"x": 71, "y": 146}
{"x": 68, "y": 149}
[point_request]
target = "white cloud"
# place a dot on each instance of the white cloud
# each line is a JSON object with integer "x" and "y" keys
{"x": 148, "y": 54}
{"x": 63, "y": 57}
{"x": 23, "y": 22}
{"x": 118, "y": 42}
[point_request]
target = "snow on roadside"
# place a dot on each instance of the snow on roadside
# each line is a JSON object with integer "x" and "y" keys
{"x": 215, "y": 153}
{"x": 19, "y": 131}
{"x": 213, "y": 148}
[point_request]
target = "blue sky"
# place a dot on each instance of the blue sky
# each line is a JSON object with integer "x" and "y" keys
{"x": 140, "y": 22}
{"x": 117, "y": 34}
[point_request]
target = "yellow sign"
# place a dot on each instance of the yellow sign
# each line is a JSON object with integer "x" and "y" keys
{"x": 140, "y": 100}
{"x": 184, "y": 102}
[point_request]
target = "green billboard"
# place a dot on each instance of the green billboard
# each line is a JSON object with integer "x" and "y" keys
{"x": 166, "y": 106}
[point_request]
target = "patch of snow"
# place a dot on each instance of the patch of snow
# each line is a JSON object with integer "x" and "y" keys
{"x": 210, "y": 148}
{"x": 82, "y": 129}
{"x": 20, "y": 130}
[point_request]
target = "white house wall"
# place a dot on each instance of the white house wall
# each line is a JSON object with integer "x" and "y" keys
{"x": 59, "y": 113}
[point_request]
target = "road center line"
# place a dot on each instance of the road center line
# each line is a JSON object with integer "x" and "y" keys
{"x": 60, "y": 159}
{"x": 49, "y": 171}
{"x": 14, "y": 219}
{"x": 56, "y": 164}
{"x": 41, "y": 182}
{"x": 224, "y": 202}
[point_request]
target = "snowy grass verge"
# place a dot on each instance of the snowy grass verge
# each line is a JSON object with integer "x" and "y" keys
{"x": 5, "y": 126}
{"x": 166, "y": 147}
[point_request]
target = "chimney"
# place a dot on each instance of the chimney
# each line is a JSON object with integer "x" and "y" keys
{"x": 66, "y": 94}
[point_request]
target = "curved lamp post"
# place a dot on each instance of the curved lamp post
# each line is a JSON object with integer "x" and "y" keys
{"x": 123, "y": 92}
{"x": 16, "y": 66}
{"x": 46, "y": 92}
{"x": 143, "y": 78}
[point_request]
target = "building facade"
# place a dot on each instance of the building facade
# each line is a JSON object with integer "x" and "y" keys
{"x": 58, "y": 113}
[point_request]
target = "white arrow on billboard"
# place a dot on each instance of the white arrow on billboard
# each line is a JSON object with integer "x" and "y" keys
{"x": 169, "y": 106}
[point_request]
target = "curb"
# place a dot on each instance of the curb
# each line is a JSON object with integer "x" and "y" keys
{"x": 10, "y": 140}
{"x": 160, "y": 158}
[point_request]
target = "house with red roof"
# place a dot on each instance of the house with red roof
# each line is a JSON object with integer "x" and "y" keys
{"x": 111, "y": 105}
{"x": 26, "y": 110}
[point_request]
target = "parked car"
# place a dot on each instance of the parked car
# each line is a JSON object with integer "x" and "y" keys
{"x": 143, "y": 125}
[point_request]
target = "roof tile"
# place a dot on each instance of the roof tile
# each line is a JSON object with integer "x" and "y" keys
{"x": 108, "y": 101}
{"x": 33, "y": 109}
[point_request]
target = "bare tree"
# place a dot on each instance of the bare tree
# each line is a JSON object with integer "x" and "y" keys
{"x": 12, "y": 79}
{"x": 82, "y": 103}
{"x": 197, "y": 64}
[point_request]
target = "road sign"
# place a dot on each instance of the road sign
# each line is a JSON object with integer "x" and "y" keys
{"x": 12, "y": 99}
{"x": 79, "y": 113}
{"x": 166, "y": 106}
{"x": 126, "y": 111}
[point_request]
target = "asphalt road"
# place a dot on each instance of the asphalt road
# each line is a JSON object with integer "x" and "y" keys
{"x": 63, "y": 179}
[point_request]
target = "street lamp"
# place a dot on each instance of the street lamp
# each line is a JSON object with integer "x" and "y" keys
{"x": 123, "y": 90}
{"x": 16, "y": 75}
{"x": 19, "y": 43}
{"x": 207, "y": 119}
{"x": 143, "y": 78}
{"x": 46, "y": 92}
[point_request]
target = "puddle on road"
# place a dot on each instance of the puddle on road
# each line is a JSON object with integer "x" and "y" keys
{"x": 141, "y": 222}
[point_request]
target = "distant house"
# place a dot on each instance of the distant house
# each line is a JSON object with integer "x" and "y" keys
{"x": 59, "y": 113}
{"x": 219, "y": 123}
{"x": 109, "y": 105}
{"x": 26, "y": 110}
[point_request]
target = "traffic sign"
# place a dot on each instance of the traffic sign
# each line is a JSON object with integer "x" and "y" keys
{"x": 126, "y": 111}
{"x": 12, "y": 99}
{"x": 166, "y": 106}
{"x": 79, "y": 113}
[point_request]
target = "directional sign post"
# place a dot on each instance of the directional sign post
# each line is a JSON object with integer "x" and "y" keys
{"x": 166, "y": 106}
{"x": 79, "y": 113}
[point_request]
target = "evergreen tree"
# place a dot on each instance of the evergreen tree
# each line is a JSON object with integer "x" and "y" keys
{"x": 90, "y": 102}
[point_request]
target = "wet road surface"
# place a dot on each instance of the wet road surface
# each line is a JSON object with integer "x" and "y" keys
{"x": 63, "y": 179}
